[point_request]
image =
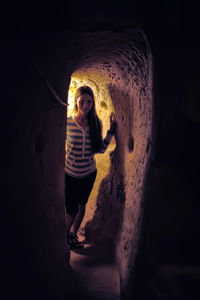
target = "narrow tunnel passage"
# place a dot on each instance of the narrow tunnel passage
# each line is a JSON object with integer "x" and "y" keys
{"x": 118, "y": 66}
{"x": 119, "y": 70}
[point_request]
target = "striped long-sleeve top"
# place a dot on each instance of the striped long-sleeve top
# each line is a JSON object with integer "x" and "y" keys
{"x": 79, "y": 157}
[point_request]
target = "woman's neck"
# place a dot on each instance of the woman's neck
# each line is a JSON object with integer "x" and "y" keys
{"x": 81, "y": 119}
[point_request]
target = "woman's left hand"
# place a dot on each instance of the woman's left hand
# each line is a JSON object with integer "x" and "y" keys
{"x": 112, "y": 122}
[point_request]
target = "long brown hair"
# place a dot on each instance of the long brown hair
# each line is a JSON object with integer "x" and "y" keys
{"x": 93, "y": 120}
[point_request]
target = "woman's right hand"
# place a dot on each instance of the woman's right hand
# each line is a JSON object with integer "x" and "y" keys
{"x": 112, "y": 122}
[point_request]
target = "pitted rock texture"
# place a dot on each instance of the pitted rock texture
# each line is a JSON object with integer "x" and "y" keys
{"x": 118, "y": 66}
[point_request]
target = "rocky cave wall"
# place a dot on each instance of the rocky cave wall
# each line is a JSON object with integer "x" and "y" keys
{"x": 119, "y": 67}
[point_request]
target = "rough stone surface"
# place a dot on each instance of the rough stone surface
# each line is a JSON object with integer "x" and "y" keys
{"x": 120, "y": 73}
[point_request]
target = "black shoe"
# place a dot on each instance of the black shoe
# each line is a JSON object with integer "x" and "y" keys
{"x": 73, "y": 241}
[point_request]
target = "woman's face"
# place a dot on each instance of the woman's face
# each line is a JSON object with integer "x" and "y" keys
{"x": 84, "y": 103}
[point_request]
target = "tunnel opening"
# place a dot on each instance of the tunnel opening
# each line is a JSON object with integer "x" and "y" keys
{"x": 104, "y": 107}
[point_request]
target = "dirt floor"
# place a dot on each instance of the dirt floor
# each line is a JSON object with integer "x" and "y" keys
{"x": 93, "y": 273}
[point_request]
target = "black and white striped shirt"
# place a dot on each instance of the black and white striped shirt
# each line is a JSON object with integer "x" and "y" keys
{"x": 79, "y": 157}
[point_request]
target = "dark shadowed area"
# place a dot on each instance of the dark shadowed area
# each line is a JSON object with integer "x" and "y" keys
{"x": 166, "y": 264}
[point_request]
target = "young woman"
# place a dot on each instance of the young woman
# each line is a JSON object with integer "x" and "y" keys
{"x": 83, "y": 140}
